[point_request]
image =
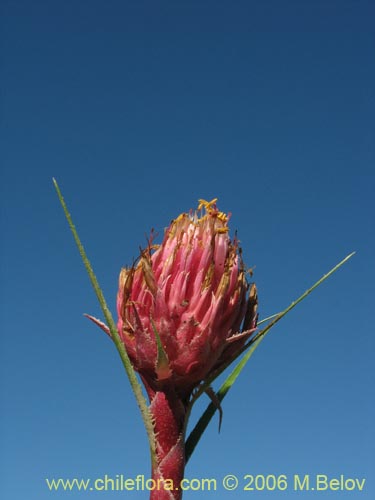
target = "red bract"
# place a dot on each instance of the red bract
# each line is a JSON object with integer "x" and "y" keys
{"x": 181, "y": 307}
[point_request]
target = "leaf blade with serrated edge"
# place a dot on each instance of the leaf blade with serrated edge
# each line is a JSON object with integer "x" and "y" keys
{"x": 253, "y": 343}
{"x": 135, "y": 385}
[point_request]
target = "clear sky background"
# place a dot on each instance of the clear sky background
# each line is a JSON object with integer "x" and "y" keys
{"x": 139, "y": 108}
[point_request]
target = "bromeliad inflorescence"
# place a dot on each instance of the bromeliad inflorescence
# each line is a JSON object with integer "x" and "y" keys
{"x": 185, "y": 312}
{"x": 181, "y": 307}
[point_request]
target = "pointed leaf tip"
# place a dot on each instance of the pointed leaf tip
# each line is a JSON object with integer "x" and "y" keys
{"x": 99, "y": 323}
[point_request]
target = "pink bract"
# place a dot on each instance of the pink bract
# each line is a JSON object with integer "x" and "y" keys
{"x": 181, "y": 307}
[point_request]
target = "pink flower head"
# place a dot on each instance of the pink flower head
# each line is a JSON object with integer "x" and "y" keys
{"x": 181, "y": 307}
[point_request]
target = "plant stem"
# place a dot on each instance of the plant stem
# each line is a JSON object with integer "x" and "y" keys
{"x": 169, "y": 413}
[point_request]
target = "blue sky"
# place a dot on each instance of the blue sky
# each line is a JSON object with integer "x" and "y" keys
{"x": 139, "y": 109}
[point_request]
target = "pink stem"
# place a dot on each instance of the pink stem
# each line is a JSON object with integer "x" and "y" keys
{"x": 168, "y": 412}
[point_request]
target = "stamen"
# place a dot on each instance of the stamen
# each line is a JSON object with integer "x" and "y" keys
{"x": 206, "y": 204}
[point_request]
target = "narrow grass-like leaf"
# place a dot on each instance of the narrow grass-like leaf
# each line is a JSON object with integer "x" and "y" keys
{"x": 209, "y": 412}
{"x": 137, "y": 389}
{"x": 253, "y": 343}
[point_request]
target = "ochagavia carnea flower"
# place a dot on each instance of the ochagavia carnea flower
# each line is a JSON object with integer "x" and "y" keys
{"x": 182, "y": 306}
{"x": 185, "y": 312}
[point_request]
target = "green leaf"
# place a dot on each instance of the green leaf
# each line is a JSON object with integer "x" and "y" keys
{"x": 253, "y": 343}
{"x": 137, "y": 389}
{"x": 209, "y": 412}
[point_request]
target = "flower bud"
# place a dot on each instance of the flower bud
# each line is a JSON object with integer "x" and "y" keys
{"x": 181, "y": 307}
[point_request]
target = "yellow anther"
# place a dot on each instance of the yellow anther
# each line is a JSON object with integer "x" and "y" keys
{"x": 206, "y": 204}
{"x": 180, "y": 217}
{"x": 222, "y": 216}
